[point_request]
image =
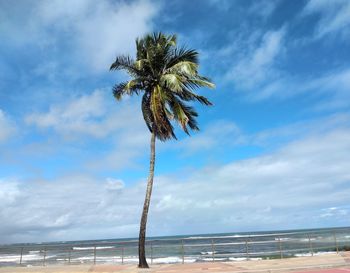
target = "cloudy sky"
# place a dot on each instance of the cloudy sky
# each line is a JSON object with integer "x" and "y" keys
{"x": 272, "y": 153}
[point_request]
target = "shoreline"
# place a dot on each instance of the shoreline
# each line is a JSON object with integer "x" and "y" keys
{"x": 225, "y": 248}
{"x": 299, "y": 264}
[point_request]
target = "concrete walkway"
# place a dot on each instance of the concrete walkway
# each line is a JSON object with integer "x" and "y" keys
{"x": 327, "y": 263}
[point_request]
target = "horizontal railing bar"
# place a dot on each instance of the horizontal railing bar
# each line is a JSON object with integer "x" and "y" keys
{"x": 224, "y": 244}
{"x": 192, "y": 245}
{"x": 296, "y": 249}
{"x": 216, "y": 255}
{"x": 248, "y": 242}
{"x": 265, "y": 252}
{"x": 197, "y": 245}
{"x": 225, "y": 254}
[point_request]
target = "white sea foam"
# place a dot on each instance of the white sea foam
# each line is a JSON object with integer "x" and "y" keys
{"x": 92, "y": 247}
{"x": 167, "y": 260}
{"x": 237, "y": 259}
{"x": 307, "y": 239}
{"x": 314, "y": 254}
{"x": 283, "y": 239}
{"x": 208, "y": 252}
{"x": 197, "y": 237}
{"x": 132, "y": 259}
{"x": 16, "y": 258}
{"x": 227, "y": 236}
{"x": 296, "y": 239}
{"x": 82, "y": 259}
{"x": 9, "y": 258}
{"x": 241, "y": 235}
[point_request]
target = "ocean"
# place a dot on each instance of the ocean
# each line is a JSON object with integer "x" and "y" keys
{"x": 182, "y": 249}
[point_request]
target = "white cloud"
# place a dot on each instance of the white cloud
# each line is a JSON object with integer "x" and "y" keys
{"x": 225, "y": 135}
{"x": 334, "y": 85}
{"x": 95, "y": 115}
{"x": 114, "y": 184}
{"x": 46, "y": 210}
{"x": 256, "y": 67}
{"x": 286, "y": 182}
{"x": 221, "y": 4}
{"x": 335, "y": 212}
{"x": 221, "y": 133}
{"x": 298, "y": 130}
{"x": 92, "y": 32}
{"x": 271, "y": 82}
{"x": 301, "y": 181}
{"x": 100, "y": 30}
{"x": 264, "y": 8}
{"x": 335, "y": 16}
{"x": 7, "y": 126}
{"x": 9, "y": 192}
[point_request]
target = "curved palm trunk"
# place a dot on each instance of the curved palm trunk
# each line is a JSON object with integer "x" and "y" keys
{"x": 142, "y": 234}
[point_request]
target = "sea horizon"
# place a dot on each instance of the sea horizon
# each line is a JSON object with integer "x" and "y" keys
{"x": 121, "y": 239}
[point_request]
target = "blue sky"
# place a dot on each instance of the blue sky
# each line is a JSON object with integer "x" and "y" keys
{"x": 271, "y": 153}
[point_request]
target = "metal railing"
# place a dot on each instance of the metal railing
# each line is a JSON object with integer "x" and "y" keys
{"x": 182, "y": 250}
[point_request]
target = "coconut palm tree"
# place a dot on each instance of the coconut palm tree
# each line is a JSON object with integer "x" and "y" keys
{"x": 166, "y": 76}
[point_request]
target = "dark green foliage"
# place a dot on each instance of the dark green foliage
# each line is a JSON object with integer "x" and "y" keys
{"x": 168, "y": 76}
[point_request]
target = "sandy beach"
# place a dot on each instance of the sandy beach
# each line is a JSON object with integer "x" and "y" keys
{"x": 328, "y": 263}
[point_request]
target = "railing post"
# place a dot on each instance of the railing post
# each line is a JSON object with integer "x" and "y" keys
{"x": 310, "y": 245}
{"x": 183, "y": 251}
{"x": 122, "y": 254}
{"x": 336, "y": 242}
{"x": 151, "y": 253}
{"x": 44, "y": 260}
{"x": 246, "y": 248}
{"x": 280, "y": 247}
{"x": 212, "y": 250}
{"x": 94, "y": 254}
{"x": 20, "y": 259}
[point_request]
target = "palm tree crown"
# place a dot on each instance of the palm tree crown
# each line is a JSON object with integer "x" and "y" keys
{"x": 167, "y": 75}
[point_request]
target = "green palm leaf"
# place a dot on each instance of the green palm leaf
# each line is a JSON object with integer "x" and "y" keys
{"x": 168, "y": 76}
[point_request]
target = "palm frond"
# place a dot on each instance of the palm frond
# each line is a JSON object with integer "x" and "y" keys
{"x": 169, "y": 76}
{"x": 199, "y": 81}
{"x": 182, "y": 55}
{"x": 184, "y": 114}
{"x": 126, "y": 88}
{"x": 185, "y": 68}
{"x": 146, "y": 110}
{"x": 162, "y": 126}
{"x": 187, "y": 95}
{"x": 125, "y": 63}
{"x": 172, "y": 82}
